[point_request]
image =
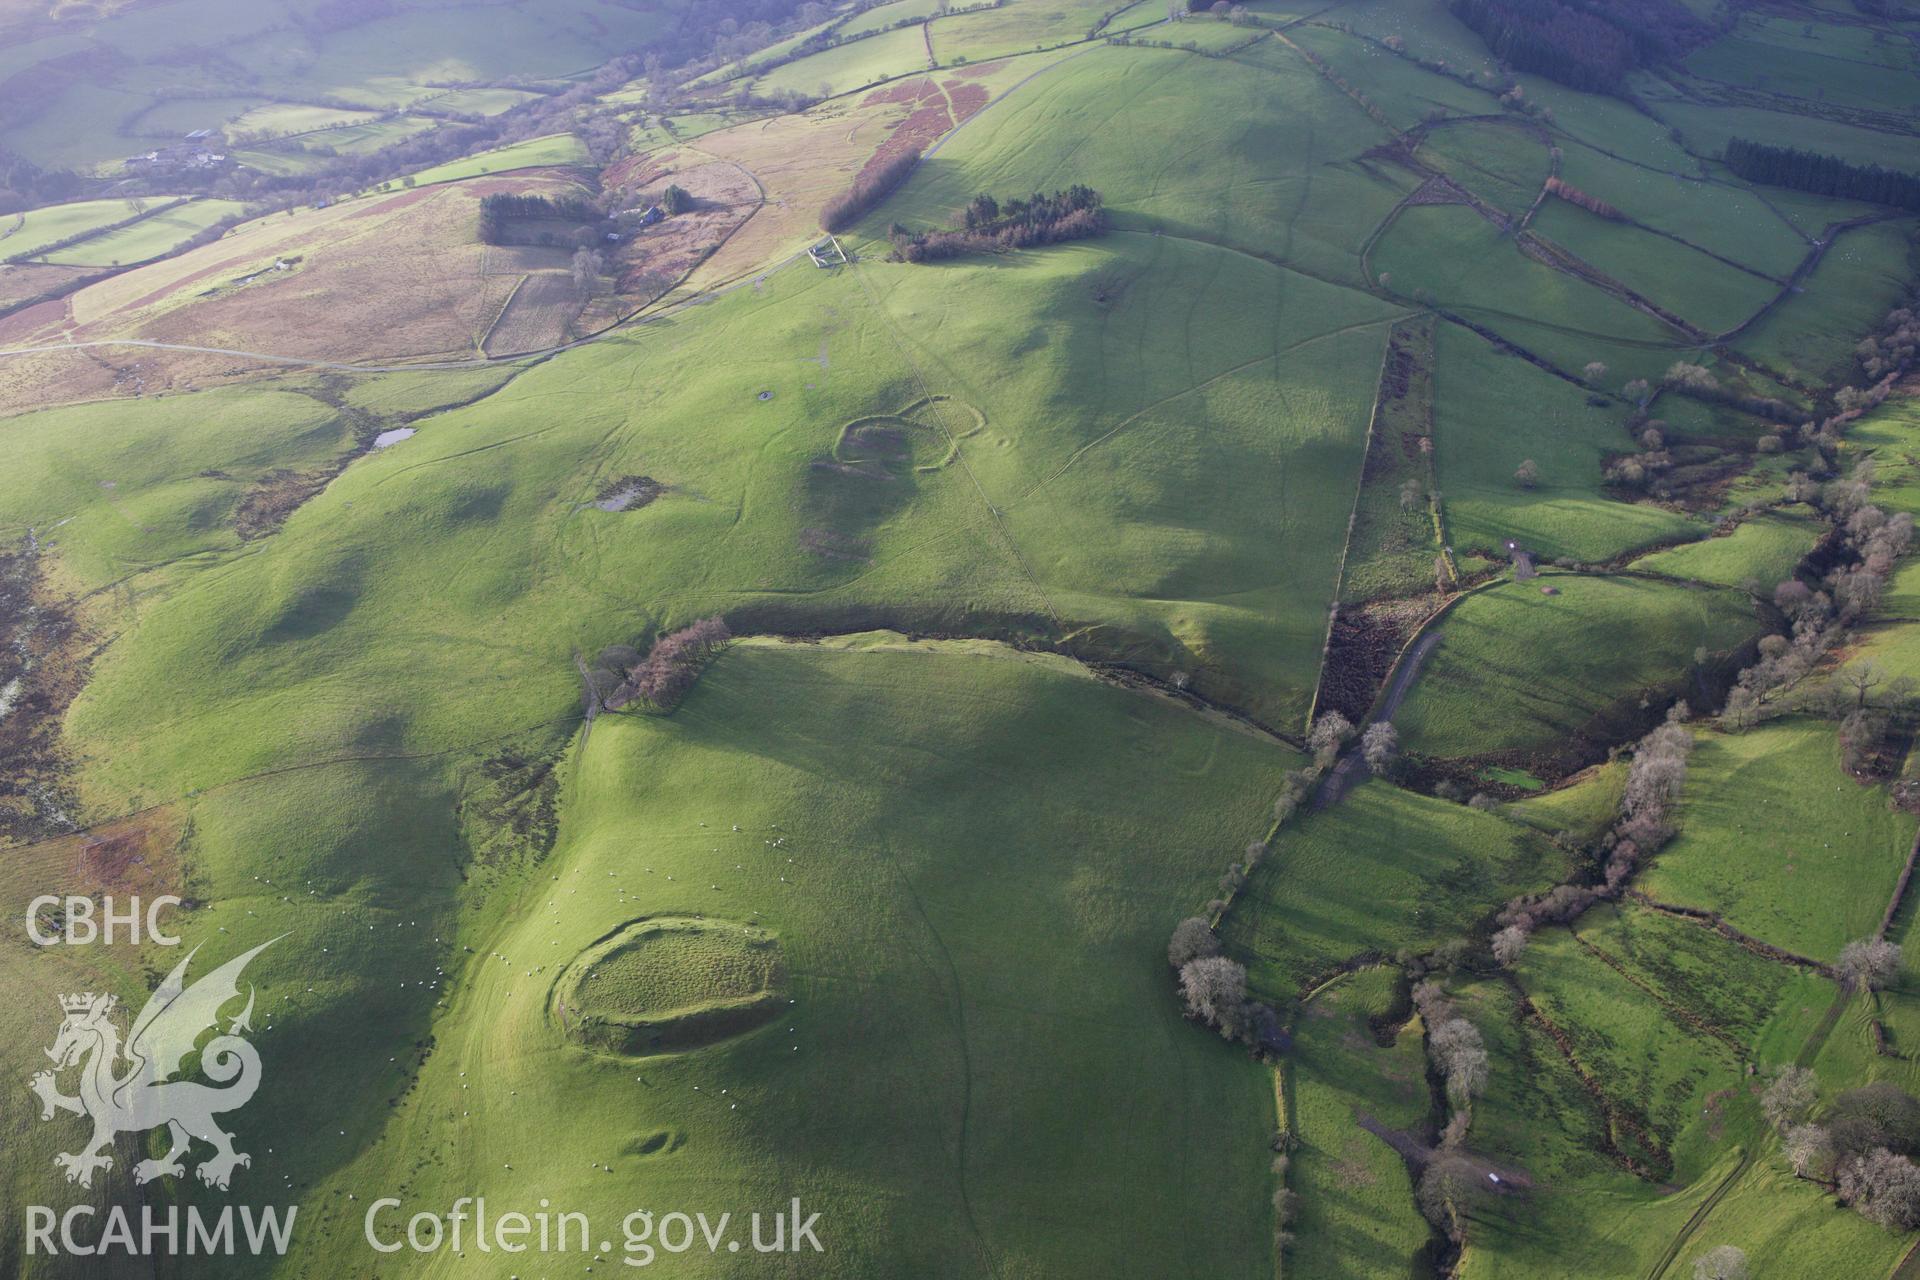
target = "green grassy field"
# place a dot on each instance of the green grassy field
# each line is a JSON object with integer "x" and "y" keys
{"x": 1356, "y": 1200}
{"x": 1586, "y": 805}
{"x": 883, "y": 16}
{"x": 1729, "y": 220}
{"x": 1032, "y": 559}
{"x": 1385, "y": 870}
{"x": 1096, "y": 499}
{"x": 1860, "y": 279}
{"x": 278, "y": 119}
{"x": 382, "y": 61}
{"x": 153, "y": 236}
{"x": 1453, "y": 256}
{"x": 850, "y": 66}
{"x": 1018, "y": 26}
{"x": 1401, "y": 90}
{"x": 1584, "y": 1214}
{"x": 1279, "y": 182}
{"x": 1428, "y": 32}
{"x": 903, "y": 861}
{"x": 30, "y": 232}
{"x": 1698, "y": 288}
{"x": 1520, "y": 671}
{"x": 1504, "y": 164}
{"x": 1778, "y": 839}
{"x": 1762, "y": 550}
{"x": 554, "y": 149}
{"x": 1479, "y": 393}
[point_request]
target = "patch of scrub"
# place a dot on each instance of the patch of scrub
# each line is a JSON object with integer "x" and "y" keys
{"x": 670, "y": 984}
{"x": 628, "y": 493}
{"x": 391, "y": 437}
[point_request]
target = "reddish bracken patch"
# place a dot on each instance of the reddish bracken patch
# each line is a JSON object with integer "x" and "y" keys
{"x": 903, "y": 91}
{"x": 40, "y": 315}
{"x": 915, "y": 133}
{"x": 135, "y": 853}
{"x": 393, "y": 203}
{"x": 967, "y": 98}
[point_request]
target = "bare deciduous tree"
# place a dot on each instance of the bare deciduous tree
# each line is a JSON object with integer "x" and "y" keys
{"x": 1527, "y": 474}
{"x": 1509, "y": 944}
{"x": 1809, "y": 1151}
{"x": 1380, "y": 744}
{"x": 1883, "y": 1188}
{"x": 1789, "y": 1097}
{"x": 1193, "y": 938}
{"x": 1870, "y": 962}
{"x": 1862, "y": 678}
{"x": 1461, "y": 1055}
{"x": 1330, "y": 732}
{"x": 1215, "y": 990}
{"x": 1444, "y": 1194}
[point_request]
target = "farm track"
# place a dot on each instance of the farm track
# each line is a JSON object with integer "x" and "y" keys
{"x": 1816, "y": 1040}
{"x": 1829, "y": 236}
{"x": 1352, "y": 769}
{"x": 1909, "y": 1267}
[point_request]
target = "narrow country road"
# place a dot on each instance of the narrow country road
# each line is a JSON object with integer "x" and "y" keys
{"x": 1352, "y": 769}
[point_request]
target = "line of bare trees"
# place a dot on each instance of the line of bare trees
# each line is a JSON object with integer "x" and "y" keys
{"x": 1654, "y": 781}
{"x": 1213, "y": 988}
{"x": 1860, "y": 695}
{"x": 1458, "y": 1056}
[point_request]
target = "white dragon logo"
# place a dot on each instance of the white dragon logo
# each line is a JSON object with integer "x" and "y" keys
{"x": 143, "y": 1095}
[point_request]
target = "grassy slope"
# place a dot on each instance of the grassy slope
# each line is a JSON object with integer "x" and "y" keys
{"x": 32, "y": 231}
{"x": 992, "y": 848}
{"x": 1144, "y": 128}
{"x": 1863, "y": 276}
{"x": 1500, "y": 162}
{"x": 153, "y": 236}
{"x": 1094, "y": 457}
{"x": 555, "y": 148}
{"x": 955, "y": 825}
{"x": 1710, "y": 294}
{"x": 1776, "y": 837}
{"x": 1387, "y": 869}
{"x": 1764, "y": 549}
{"x": 1357, "y": 1216}
{"x": 1518, "y": 670}
{"x": 1405, "y": 92}
{"x": 850, "y": 66}
{"x": 1455, "y": 256}
{"x": 1491, "y": 412}
{"x": 387, "y": 62}
{"x": 1586, "y": 805}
